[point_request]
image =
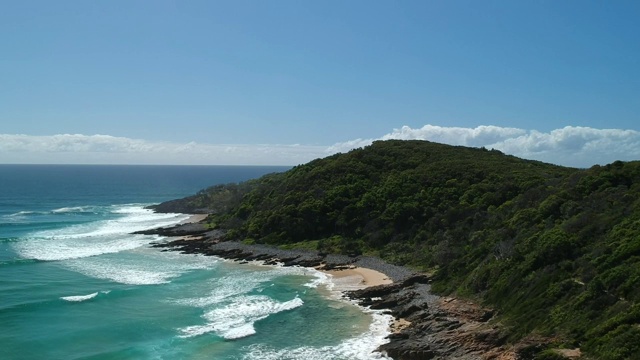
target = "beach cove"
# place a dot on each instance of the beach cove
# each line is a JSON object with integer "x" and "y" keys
{"x": 424, "y": 326}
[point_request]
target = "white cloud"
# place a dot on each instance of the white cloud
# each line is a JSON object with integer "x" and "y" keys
{"x": 569, "y": 146}
{"x": 104, "y": 149}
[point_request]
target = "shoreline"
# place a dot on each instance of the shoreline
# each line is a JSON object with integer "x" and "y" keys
{"x": 355, "y": 278}
{"x": 194, "y": 218}
{"x": 424, "y": 325}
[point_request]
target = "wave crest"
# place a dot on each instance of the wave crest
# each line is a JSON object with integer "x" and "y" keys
{"x": 79, "y": 298}
{"x": 96, "y": 238}
{"x": 236, "y": 320}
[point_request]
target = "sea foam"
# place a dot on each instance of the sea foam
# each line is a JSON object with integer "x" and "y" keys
{"x": 246, "y": 278}
{"x": 76, "y": 210}
{"x": 229, "y": 311}
{"x": 362, "y": 347}
{"x": 140, "y": 267}
{"x": 79, "y": 298}
{"x": 23, "y": 213}
{"x": 236, "y": 319}
{"x": 95, "y": 238}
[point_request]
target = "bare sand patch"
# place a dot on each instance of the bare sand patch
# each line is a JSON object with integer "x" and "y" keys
{"x": 357, "y": 278}
{"x": 195, "y": 218}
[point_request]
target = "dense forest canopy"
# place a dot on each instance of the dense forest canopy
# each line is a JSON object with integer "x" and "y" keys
{"x": 555, "y": 250}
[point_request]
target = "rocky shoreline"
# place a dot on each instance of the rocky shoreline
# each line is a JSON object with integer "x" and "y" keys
{"x": 427, "y": 326}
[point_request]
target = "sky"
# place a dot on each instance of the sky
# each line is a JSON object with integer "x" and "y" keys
{"x": 283, "y": 82}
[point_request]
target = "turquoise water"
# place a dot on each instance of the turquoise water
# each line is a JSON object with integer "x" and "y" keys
{"x": 75, "y": 284}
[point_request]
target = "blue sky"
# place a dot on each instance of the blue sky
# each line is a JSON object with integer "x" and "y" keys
{"x": 283, "y": 82}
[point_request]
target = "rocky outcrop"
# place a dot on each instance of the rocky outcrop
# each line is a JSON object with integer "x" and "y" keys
{"x": 436, "y": 327}
{"x": 184, "y": 205}
{"x": 439, "y": 328}
{"x": 192, "y": 229}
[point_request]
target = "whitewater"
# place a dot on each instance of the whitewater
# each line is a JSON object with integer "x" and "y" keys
{"x": 76, "y": 284}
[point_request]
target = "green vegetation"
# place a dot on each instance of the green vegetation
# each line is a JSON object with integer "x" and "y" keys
{"x": 555, "y": 250}
{"x": 303, "y": 245}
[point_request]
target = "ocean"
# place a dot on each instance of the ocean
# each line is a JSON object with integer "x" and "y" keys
{"x": 75, "y": 284}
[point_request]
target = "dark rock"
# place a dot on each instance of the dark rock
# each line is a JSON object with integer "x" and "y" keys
{"x": 407, "y": 311}
{"x": 178, "y": 230}
{"x": 408, "y": 350}
{"x": 486, "y": 316}
{"x": 491, "y": 336}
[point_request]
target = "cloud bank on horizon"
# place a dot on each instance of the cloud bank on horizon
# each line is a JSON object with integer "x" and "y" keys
{"x": 105, "y": 149}
{"x": 568, "y": 146}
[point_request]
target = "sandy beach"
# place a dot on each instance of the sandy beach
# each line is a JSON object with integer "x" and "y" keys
{"x": 357, "y": 278}
{"x": 195, "y": 218}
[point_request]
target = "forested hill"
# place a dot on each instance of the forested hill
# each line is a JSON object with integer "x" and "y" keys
{"x": 555, "y": 250}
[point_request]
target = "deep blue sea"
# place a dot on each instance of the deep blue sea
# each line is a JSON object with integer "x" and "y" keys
{"x": 75, "y": 284}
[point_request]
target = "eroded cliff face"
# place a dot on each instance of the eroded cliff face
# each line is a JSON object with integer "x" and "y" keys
{"x": 433, "y": 327}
